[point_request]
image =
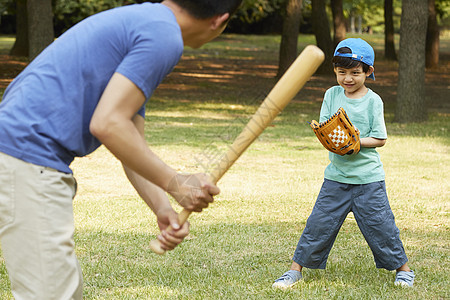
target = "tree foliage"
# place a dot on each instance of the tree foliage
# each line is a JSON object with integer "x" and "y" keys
{"x": 7, "y": 6}
{"x": 443, "y": 12}
{"x": 82, "y": 9}
{"x": 69, "y": 12}
{"x": 256, "y": 10}
{"x": 372, "y": 13}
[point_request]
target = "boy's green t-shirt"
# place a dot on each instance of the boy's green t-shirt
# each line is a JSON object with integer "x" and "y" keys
{"x": 367, "y": 115}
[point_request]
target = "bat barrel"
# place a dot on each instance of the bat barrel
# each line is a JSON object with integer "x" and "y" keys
{"x": 281, "y": 94}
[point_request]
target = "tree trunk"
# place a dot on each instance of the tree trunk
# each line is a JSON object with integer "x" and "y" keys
{"x": 389, "y": 42}
{"x": 289, "y": 36}
{"x": 338, "y": 21}
{"x": 321, "y": 28}
{"x": 40, "y": 26}
{"x": 20, "y": 47}
{"x": 411, "y": 105}
{"x": 360, "y": 29}
{"x": 352, "y": 23}
{"x": 432, "y": 40}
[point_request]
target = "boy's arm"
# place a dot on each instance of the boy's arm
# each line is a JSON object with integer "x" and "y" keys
{"x": 378, "y": 133}
{"x": 370, "y": 142}
{"x": 325, "y": 112}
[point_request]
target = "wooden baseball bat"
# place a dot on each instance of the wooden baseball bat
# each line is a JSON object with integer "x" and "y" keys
{"x": 281, "y": 94}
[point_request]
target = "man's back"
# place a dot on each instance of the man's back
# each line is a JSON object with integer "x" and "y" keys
{"x": 46, "y": 111}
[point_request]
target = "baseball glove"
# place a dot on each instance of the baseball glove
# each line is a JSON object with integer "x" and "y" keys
{"x": 337, "y": 134}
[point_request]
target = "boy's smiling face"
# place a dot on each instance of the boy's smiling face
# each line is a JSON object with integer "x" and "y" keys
{"x": 352, "y": 80}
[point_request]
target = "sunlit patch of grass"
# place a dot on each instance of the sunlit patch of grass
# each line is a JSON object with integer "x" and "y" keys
{"x": 6, "y": 43}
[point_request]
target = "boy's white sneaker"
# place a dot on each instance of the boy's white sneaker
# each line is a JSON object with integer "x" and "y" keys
{"x": 403, "y": 278}
{"x": 288, "y": 279}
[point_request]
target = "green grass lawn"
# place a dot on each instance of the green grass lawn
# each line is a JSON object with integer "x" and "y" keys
{"x": 245, "y": 240}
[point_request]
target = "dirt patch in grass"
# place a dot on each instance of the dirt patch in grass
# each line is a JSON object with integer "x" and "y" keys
{"x": 10, "y": 67}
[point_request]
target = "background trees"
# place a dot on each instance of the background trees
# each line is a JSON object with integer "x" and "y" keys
{"x": 339, "y": 22}
{"x": 432, "y": 41}
{"x": 40, "y": 26}
{"x": 37, "y": 22}
{"x": 34, "y": 19}
{"x": 321, "y": 29}
{"x": 389, "y": 42}
{"x": 291, "y": 28}
{"x": 411, "y": 104}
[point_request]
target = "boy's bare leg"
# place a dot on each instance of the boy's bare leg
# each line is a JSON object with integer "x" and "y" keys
{"x": 404, "y": 277}
{"x": 404, "y": 268}
{"x": 296, "y": 267}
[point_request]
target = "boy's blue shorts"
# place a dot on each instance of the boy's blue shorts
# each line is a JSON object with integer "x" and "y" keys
{"x": 370, "y": 206}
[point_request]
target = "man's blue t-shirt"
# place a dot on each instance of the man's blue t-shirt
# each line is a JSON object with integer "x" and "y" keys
{"x": 366, "y": 114}
{"x": 46, "y": 111}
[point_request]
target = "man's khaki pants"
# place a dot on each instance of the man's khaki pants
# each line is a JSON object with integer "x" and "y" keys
{"x": 36, "y": 231}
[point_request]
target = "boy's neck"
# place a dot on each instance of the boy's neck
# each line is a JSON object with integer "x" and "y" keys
{"x": 358, "y": 94}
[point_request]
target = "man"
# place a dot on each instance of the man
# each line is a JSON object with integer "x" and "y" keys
{"x": 89, "y": 88}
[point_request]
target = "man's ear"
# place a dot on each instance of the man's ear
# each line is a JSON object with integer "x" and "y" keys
{"x": 370, "y": 71}
{"x": 219, "y": 21}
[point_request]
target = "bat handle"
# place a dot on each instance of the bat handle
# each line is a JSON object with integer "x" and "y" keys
{"x": 155, "y": 245}
{"x": 215, "y": 175}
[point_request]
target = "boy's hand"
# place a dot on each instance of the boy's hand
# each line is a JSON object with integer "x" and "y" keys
{"x": 193, "y": 191}
{"x": 172, "y": 236}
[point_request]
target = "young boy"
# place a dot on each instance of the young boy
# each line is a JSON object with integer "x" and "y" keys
{"x": 353, "y": 183}
{"x": 89, "y": 88}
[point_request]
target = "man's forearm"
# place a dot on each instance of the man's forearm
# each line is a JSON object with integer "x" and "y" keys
{"x": 154, "y": 196}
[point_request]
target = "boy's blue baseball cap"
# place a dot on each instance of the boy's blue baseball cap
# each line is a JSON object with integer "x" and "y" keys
{"x": 361, "y": 51}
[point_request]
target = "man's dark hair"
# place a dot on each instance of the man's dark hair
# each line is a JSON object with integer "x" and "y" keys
{"x": 203, "y": 9}
{"x": 347, "y": 62}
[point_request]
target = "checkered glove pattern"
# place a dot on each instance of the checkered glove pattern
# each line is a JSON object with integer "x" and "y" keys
{"x": 337, "y": 134}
